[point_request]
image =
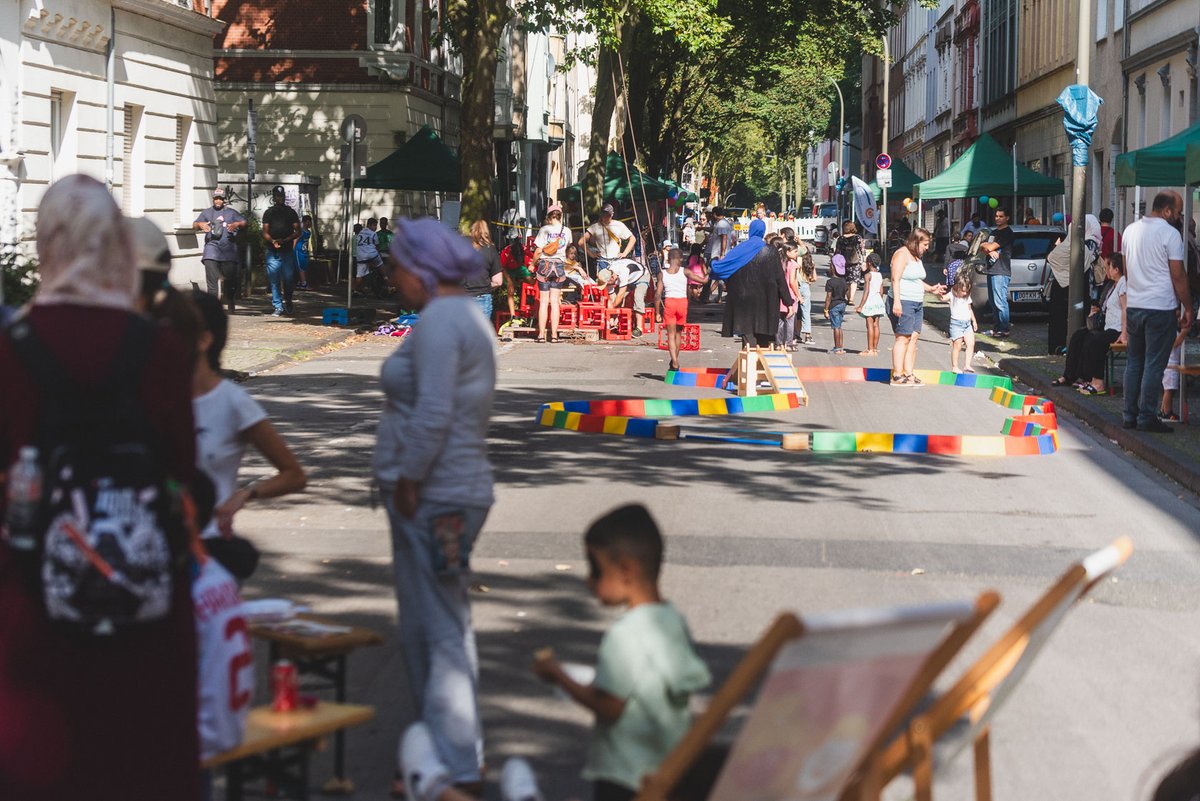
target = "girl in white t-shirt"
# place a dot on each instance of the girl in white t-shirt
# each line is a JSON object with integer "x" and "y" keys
{"x": 227, "y": 421}
{"x": 871, "y": 305}
{"x": 962, "y": 322}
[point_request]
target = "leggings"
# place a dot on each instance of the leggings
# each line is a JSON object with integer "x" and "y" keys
{"x": 804, "y": 307}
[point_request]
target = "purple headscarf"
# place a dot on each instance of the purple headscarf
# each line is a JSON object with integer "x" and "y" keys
{"x": 434, "y": 253}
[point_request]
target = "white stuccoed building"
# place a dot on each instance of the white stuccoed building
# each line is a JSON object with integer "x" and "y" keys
{"x": 153, "y": 140}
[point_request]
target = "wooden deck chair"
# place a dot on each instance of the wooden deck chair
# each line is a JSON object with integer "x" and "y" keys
{"x": 832, "y": 687}
{"x": 987, "y": 684}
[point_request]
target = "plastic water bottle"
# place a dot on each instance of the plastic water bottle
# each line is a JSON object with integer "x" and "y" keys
{"x": 24, "y": 500}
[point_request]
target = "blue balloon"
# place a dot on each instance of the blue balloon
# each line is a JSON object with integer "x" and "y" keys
{"x": 1058, "y": 217}
{"x": 671, "y": 193}
{"x": 983, "y": 199}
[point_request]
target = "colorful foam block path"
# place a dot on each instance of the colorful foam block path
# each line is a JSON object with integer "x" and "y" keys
{"x": 1032, "y": 431}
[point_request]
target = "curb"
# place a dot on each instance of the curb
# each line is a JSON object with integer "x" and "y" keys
{"x": 1184, "y": 472}
{"x": 289, "y": 356}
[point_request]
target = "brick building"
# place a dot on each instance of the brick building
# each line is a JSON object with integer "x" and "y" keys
{"x": 308, "y": 64}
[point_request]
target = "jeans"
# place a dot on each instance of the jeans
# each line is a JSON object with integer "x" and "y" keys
{"x": 219, "y": 270}
{"x": 787, "y": 330}
{"x": 1151, "y": 334}
{"x": 485, "y": 304}
{"x": 998, "y": 301}
{"x": 281, "y": 269}
{"x": 436, "y": 637}
{"x": 804, "y": 308}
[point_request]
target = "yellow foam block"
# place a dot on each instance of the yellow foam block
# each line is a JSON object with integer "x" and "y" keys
{"x": 713, "y": 406}
{"x": 615, "y": 425}
{"x": 929, "y": 376}
{"x": 873, "y": 442}
{"x": 547, "y": 417}
{"x": 780, "y": 401}
{"x": 573, "y": 420}
{"x": 982, "y": 446}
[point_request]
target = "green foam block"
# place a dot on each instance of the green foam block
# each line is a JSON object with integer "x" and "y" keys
{"x": 836, "y": 441}
{"x": 658, "y": 408}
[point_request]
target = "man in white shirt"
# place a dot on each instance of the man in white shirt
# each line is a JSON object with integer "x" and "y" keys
{"x": 970, "y": 229}
{"x": 607, "y": 240}
{"x": 1156, "y": 288}
{"x": 366, "y": 252}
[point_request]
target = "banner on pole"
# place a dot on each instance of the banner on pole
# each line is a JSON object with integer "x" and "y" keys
{"x": 864, "y": 206}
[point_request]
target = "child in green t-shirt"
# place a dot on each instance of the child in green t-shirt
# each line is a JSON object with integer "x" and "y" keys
{"x": 646, "y": 668}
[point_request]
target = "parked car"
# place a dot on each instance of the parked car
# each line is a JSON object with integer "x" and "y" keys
{"x": 1031, "y": 245}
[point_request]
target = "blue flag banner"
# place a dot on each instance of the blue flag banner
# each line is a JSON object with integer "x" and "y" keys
{"x": 1080, "y": 106}
{"x": 864, "y": 207}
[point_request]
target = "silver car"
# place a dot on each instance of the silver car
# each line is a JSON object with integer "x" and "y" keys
{"x": 1031, "y": 245}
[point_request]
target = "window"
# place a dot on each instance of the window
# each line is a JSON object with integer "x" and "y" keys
{"x": 185, "y": 169}
{"x": 1118, "y": 15}
{"x": 63, "y": 133}
{"x": 1164, "y": 130}
{"x": 383, "y": 21}
{"x": 133, "y": 162}
{"x": 1101, "y": 19}
{"x": 1000, "y": 50}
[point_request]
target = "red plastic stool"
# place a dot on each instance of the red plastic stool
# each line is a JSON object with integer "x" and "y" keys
{"x": 592, "y": 316}
{"x": 624, "y": 324}
{"x": 529, "y": 298}
{"x": 568, "y": 316}
{"x": 648, "y": 321}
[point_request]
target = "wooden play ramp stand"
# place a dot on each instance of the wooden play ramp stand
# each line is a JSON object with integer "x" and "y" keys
{"x": 755, "y": 365}
{"x": 831, "y": 688}
{"x": 987, "y": 684}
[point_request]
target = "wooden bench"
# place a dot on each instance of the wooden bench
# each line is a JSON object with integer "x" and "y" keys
{"x": 1110, "y": 363}
{"x": 276, "y": 746}
{"x": 320, "y": 653}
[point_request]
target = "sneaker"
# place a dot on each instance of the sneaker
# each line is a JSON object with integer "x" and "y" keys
{"x": 637, "y": 332}
{"x": 1168, "y": 417}
{"x": 303, "y": 285}
{"x": 277, "y": 313}
{"x": 1157, "y": 427}
{"x": 517, "y": 782}
{"x": 425, "y": 776}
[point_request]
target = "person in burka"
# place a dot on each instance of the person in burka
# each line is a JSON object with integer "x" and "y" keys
{"x": 756, "y": 286}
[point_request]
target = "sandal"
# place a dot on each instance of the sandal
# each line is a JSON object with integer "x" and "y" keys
{"x": 899, "y": 380}
{"x": 1089, "y": 389}
{"x": 539, "y": 339}
{"x": 1059, "y": 382}
{"x": 912, "y": 379}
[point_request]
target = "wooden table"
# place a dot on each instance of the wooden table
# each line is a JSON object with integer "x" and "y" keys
{"x": 323, "y": 657}
{"x": 276, "y": 745}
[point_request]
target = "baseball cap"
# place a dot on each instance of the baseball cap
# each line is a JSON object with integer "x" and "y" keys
{"x": 278, "y": 192}
{"x": 219, "y": 192}
{"x": 607, "y": 209}
{"x": 150, "y": 247}
{"x": 839, "y": 264}
{"x": 553, "y": 208}
{"x": 604, "y": 276}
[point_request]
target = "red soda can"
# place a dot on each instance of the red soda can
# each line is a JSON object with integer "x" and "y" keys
{"x": 286, "y": 684}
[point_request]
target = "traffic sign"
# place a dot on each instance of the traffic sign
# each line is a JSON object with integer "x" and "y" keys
{"x": 354, "y": 128}
{"x": 883, "y": 178}
{"x": 883, "y": 161}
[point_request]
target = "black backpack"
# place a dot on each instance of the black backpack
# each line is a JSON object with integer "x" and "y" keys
{"x": 848, "y": 247}
{"x": 112, "y": 536}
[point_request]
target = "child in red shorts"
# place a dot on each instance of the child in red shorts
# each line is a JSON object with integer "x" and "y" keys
{"x": 672, "y": 296}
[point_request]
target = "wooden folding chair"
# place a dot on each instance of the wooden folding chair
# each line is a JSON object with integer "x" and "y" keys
{"x": 832, "y": 687}
{"x": 988, "y": 683}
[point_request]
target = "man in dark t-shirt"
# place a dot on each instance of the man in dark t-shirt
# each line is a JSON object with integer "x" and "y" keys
{"x": 281, "y": 229}
{"x": 999, "y": 272}
{"x": 220, "y": 225}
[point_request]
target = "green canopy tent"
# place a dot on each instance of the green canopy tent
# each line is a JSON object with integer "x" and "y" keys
{"x": 1163, "y": 164}
{"x": 903, "y": 181}
{"x": 422, "y": 164}
{"x": 987, "y": 169}
{"x": 618, "y": 187}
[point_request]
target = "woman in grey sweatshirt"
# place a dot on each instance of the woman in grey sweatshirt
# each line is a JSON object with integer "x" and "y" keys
{"x": 432, "y": 467}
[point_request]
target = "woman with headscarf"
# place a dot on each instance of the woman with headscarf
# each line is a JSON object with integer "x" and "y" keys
{"x": 753, "y": 276}
{"x": 1059, "y": 280}
{"x": 88, "y": 716}
{"x": 432, "y": 467}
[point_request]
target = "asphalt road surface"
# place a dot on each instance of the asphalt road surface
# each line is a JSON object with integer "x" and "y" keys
{"x": 752, "y": 531}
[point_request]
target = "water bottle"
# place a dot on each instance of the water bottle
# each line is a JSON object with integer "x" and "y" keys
{"x": 24, "y": 500}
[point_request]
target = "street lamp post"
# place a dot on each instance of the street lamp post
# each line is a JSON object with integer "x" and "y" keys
{"x": 842, "y": 139}
{"x": 883, "y": 149}
{"x": 1077, "y": 291}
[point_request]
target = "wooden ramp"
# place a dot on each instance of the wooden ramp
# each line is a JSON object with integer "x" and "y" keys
{"x": 764, "y": 364}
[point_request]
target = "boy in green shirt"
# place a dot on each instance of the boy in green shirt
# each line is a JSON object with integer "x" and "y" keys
{"x": 646, "y": 668}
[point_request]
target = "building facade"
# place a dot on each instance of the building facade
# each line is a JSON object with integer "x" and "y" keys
{"x": 154, "y": 143}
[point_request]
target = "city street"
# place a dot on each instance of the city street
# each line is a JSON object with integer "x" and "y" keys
{"x": 752, "y": 531}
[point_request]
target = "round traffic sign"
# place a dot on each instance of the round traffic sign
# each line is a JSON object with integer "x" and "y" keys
{"x": 883, "y": 161}
{"x": 354, "y": 129}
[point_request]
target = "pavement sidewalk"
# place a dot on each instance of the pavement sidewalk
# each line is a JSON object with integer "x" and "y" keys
{"x": 1023, "y": 356}
{"x": 259, "y": 342}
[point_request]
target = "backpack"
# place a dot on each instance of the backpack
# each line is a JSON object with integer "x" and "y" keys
{"x": 848, "y": 247}
{"x": 112, "y": 537}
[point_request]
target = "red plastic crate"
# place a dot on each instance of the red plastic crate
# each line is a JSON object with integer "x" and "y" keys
{"x": 592, "y": 293}
{"x": 592, "y": 316}
{"x": 689, "y": 341}
{"x": 529, "y": 298}
{"x": 624, "y": 324}
{"x": 649, "y": 321}
{"x": 568, "y": 316}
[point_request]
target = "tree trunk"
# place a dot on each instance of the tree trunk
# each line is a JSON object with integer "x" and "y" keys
{"x": 479, "y": 30}
{"x": 607, "y": 78}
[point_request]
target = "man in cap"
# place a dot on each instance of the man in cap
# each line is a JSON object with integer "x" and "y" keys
{"x": 607, "y": 239}
{"x": 281, "y": 229}
{"x": 220, "y": 225}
